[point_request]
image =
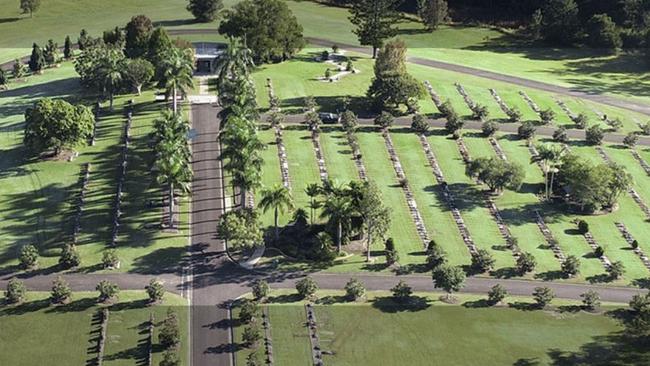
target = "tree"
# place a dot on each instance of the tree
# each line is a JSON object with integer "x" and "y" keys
{"x": 616, "y": 270}
{"x": 178, "y": 66}
{"x": 67, "y": 48}
{"x": 436, "y": 255}
{"x": 110, "y": 258}
{"x": 630, "y": 140}
{"x": 170, "y": 358}
{"x": 252, "y": 334}
{"x": 376, "y": 216}
{"x": 338, "y": 210}
{"x": 384, "y": 120}
{"x": 155, "y": 290}
{"x": 402, "y": 292}
{"x": 392, "y": 256}
{"x": 18, "y": 70}
{"x": 170, "y": 333}
{"x": 241, "y": 229}
{"x": 312, "y": 191}
{"x": 547, "y": 116}
{"x": 497, "y": 294}
{"x": 594, "y": 135}
{"x": 279, "y": 199}
{"x": 61, "y": 292}
{"x": 560, "y": 21}
{"x": 550, "y": 156}
{"x": 70, "y": 257}
{"x": 392, "y": 85}
{"x": 560, "y": 135}
{"x": 581, "y": 121}
{"x": 260, "y": 289}
{"x": 306, "y": 287}
{"x": 571, "y": 266}
{"x": 489, "y": 128}
{"x": 83, "y": 39}
{"x": 449, "y": 278}
{"x": 482, "y": 261}
{"x": 28, "y": 257}
{"x": 590, "y": 300}
{"x": 420, "y": 125}
{"x": 102, "y": 68}
{"x": 269, "y": 28}
{"x": 433, "y": 12}
{"x": 496, "y": 173}
{"x": 29, "y": 6}
{"x": 138, "y": 72}
{"x": 349, "y": 120}
{"x": 374, "y": 21}
{"x": 36, "y": 60}
{"x": 526, "y": 263}
{"x": 138, "y": 32}
{"x": 526, "y": 130}
{"x": 107, "y": 290}
{"x": 354, "y": 290}
{"x": 3, "y": 80}
{"x": 16, "y": 291}
{"x": 51, "y": 53}
{"x": 603, "y": 33}
{"x": 543, "y": 296}
{"x": 249, "y": 311}
{"x": 205, "y": 10}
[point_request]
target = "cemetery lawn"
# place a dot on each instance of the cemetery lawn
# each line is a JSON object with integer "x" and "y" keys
{"x": 67, "y": 335}
{"x": 441, "y": 331}
{"x": 39, "y": 195}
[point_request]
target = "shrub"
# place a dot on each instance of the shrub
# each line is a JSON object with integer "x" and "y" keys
{"x": 599, "y": 252}
{"x": 335, "y": 48}
{"x": 384, "y": 119}
{"x": 306, "y": 287}
{"x": 354, "y": 290}
{"x": 547, "y": 116}
{"x": 391, "y": 253}
{"x": 583, "y": 227}
{"x": 497, "y": 294}
{"x": 170, "y": 358}
{"x": 482, "y": 260}
{"x": 616, "y": 124}
{"x": 61, "y": 292}
{"x": 616, "y": 270}
{"x": 571, "y": 266}
{"x": 454, "y": 123}
{"x": 480, "y": 112}
{"x": 249, "y": 310}
{"x": 110, "y": 259}
{"x": 260, "y": 289}
{"x": 594, "y": 135}
{"x": 325, "y": 55}
{"x": 155, "y": 290}
{"x": 526, "y": 130}
{"x": 526, "y": 263}
{"x": 590, "y": 300}
{"x": 402, "y": 292}
{"x": 419, "y": 124}
{"x": 28, "y": 256}
{"x": 514, "y": 115}
{"x": 630, "y": 139}
{"x": 436, "y": 256}
{"x": 635, "y": 244}
{"x": 581, "y": 121}
{"x": 447, "y": 109}
{"x": 560, "y": 135}
{"x": 252, "y": 334}
{"x": 543, "y": 296}
{"x": 349, "y": 120}
{"x": 489, "y": 128}
{"x": 645, "y": 129}
{"x": 107, "y": 290}
{"x": 170, "y": 333}
{"x": 328, "y": 73}
{"x": 70, "y": 257}
{"x": 349, "y": 67}
{"x": 16, "y": 291}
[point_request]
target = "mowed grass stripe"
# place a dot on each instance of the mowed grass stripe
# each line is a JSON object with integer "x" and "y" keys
{"x": 479, "y": 222}
{"x": 271, "y": 174}
{"x": 435, "y": 212}
{"x": 291, "y": 345}
{"x": 303, "y": 167}
{"x": 380, "y": 170}
{"x": 339, "y": 159}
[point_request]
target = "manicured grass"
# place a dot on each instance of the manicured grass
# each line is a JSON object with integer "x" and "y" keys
{"x": 338, "y": 155}
{"x": 270, "y": 170}
{"x": 434, "y": 210}
{"x": 380, "y": 170}
{"x": 67, "y": 335}
{"x": 303, "y": 167}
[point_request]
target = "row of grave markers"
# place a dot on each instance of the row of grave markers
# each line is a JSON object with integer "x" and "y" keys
{"x": 76, "y": 226}
{"x": 122, "y": 177}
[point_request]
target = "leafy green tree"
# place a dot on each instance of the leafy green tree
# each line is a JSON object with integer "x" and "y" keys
{"x": 18, "y": 70}
{"x": 630, "y": 140}
{"x": 384, "y": 120}
{"x": 543, "y": 296}
{"x": 436, "y": 255}
{"x": 241, "y": 229}
{"x": 28, "y": 257}
{"x": 260, "y": 290}
{"x": 269, "y": 27}
{"x": 489, "y": 128}
{"x": 595, "y": 135}
{"x": 338, "y": 211}
{"x": 67, "y": 48}
{"x": 376, "y": 216}
{"x": 61, "y": 292}
{"x": 155, "y": 290}
{"x": 107, "y": 290}
{"x": 249, "y": 311}
{"x": 355, "y": 290}
{"x": 590, "y": 300}
{"x": 547, "y": 116}
{"x": 16, "y": 291}
{"x": 526, "y": 262}
{"x": 433, "y": 12}
{"x": 616, "y": 270}
{"x": 110, "y": 258}
{"x": 374, "y": 21}
{"x": 482, "y": 261}
{"x": 603, "y": 33}
{"x": 29, "y": 6}
{"x": 560, "y": 135}
{"x": 252, "y": 334}
{"x": 170, "y": 332}
{"x": 449, "y": 278}
{"x": 526, "y": 130}
{"x": 170, "y": 358}
{"x": 392, "y": 256}
{"x": 70, "y": 256}
{"x": 571, "y": 266}
{"x": 402, "y": 292}
{"x": 36, "y": 60}
{"x": 496, "y": 173}
{"x": 560, "y": 21}
{"x": 279, "y": 199}
{"x": 306, "y": 287}
{"x": 205, "y": 10}
{"x": 497, "y": 294}
{"x": 420, "y": 125}
{"x": 138, "y": 72}
{"x": 138, "y": 32}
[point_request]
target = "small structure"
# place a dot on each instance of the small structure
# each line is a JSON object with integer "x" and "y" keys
{"x": 205, "y": 56}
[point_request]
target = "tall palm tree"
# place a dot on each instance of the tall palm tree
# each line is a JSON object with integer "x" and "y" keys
{"x": 338, "y": 209}
{"x": 236, "y": 60}
{"x": 550, "y": 156}
{"x": 279, "y": 199}
{"x": 110, "y": 74}
{"x": 178, "y": 67}
{"x": 312, "y": 190}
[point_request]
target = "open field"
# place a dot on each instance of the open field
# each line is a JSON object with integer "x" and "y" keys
{"x": 39, "y": 195}
{"x": 67, "y": 334}
{"x": 504, "y": 334}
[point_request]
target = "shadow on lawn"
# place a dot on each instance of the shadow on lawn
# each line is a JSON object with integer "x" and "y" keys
{"x": 389, "y": 305}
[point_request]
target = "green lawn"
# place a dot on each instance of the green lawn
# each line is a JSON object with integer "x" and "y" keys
{"x": 303, "y": 167}
{"x": 67, "y": 335}
{"x": 338, "y": 155}
{"x": 270, "y": 170}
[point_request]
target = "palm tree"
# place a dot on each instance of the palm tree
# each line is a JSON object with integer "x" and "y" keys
{"x": 550, "y": 157}
{"x": 178, "y": 68}
{"x": 110, "y": 74}
{"x": 312, "y": 191}
{"x": 236, "y": 60}
{"x": 338, "y": 210}
{"x": 278, "y": 198}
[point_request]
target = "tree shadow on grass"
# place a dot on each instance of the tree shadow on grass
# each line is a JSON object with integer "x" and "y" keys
{"x": 550, "y": 275}
{"x": 24, "y": 308}
{"x": 481, "y": 303}
{"x": 614, "y": 349}
{"x": 74, "y": 306}
{"x": 389, "y": 305}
